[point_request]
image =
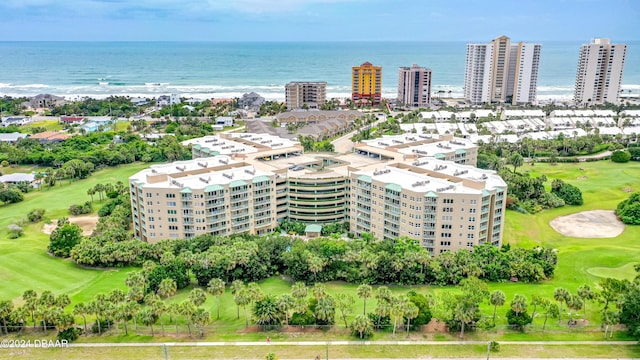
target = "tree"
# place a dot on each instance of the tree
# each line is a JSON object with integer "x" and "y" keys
{"x": 585, "y": 293}
{"x": 158, "y": 307}
{"x": 285, "y": 304}
{"x": 362, "y": 325}
{"x": 6, "y": 307}
{"x": 197, "y": 296}
{"x": 299, "y": 290}
{"x": 216, "y": 288}
{"x": 10, "y": 196}
{"x": 561, "y": 295}
{"x": 464, "y": 313}
{"x": 397, "y": 310}
{"x": 550, "y": 309}
{"x": 325, "y": 310}
{"x": 200, "y": 318}
{"x": 516, "y": 160}
{"x": 243, "y": 298}
{"x": 497, "y": 298}
{"x": 364, "y": 292}
{"x": 167, "y": 288}
{"x": 319, "y": 291}
{"x": 629, "y": 210}
{"x": 148, "y": 318}
{"x": 620, "y": 156}
{"x": 573, "y": 303}
{"x": 567, "y": 192}
{"x": 36, "y": 215}
{"x": 344, "y": 303}
{"x": 382, "y": 310}
{"x": 64, "y": 238}
{"x": 82, "y": 310}
{"x": 410, "y": 312}
{"x": 30, "y": 298}
{"x": 266, "y": 311}
{"x": 187, "y": 310}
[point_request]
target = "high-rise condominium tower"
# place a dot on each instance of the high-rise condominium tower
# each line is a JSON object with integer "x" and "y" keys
{"x": 305, "y": 94}
{"x": 366, "y": 83}
{"x": 502, "y": 72}
{"x": 414, "y": 86}
{"x": 599, "y": 72}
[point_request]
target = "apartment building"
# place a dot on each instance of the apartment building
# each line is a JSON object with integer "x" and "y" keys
{"x": 414, "y": 86}
{"x": 305, "y": 94}
{"x": 599, "y": 74}
{"x": 404, "y": 185}
{"x": 366, "y": 83}
{"x": 502, "y": 72}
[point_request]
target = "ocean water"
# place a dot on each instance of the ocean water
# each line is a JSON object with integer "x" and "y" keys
{"x": 224, "y": 69}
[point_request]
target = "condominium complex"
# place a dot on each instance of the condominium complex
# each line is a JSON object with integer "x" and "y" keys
{"x": 599, "y": 72}
{"x": 414, "y": 86}
{"x": 410, "y": 185}
{"x": 502, "y": 72}
{"x": 305, "y": 94}
{"x": 366, "y": 83}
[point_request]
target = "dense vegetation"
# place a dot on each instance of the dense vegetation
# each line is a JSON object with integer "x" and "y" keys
{"x": 629, "y": 210}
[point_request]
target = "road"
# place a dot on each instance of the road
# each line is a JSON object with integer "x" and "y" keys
{"x": 344, "y": 144}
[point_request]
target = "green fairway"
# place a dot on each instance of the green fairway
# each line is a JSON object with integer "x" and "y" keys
{"x": 24, "y": 263}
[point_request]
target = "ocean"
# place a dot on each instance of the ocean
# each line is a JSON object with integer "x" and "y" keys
{"x": 230, "y": 69}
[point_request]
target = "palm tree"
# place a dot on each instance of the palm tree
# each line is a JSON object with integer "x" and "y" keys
{"x": 519, "y": 304}
{"x": 362, "y": 325}
{"x": 216, "y": 288}
{"x": 325, "y": 310}
{"x": 123, "y": 313}
{"x": 383, "y": 294}
{"x": 254, "y": 291}
{"x": 383, "y": 309}
{"x": 585, "y": 293}
{"x": 187, "y": 309}
{"x": 397, "y": 311}
{"x": 535, "y": 301}
{"x": 159, "y": 308}
{"x": 242, "y": 298}
{"x": 285, "y": 304}
{"x": 30, "y": 298}
{"x": 299, "y": 290}
{"x": 364, "y": 292}
{"x": 319, "y": 291}
{"x": 344, "y": 303}
{"x": 82, "y": 310}
{"x": 497, "y": 298}
{"x": 174, "y": 310}
{"x": 410, "y": 312}
{"x": 561, "y": 295}
{"x": 200, "y": 318}
{"x": 148, "y": 318}
{"x": 19, "y": 316}
{"x": 91, "y": 192}
{"x": 266, "y": 311}
{"x": 197, "y": 296}
{"x": 573, "y": 303}
{"x": 6, "y": 307}
{"x": 316, "y": 264}
{"x": 464, "y": 313}
{"x": 167, "y": 288}
{"x": 237, "y": 288}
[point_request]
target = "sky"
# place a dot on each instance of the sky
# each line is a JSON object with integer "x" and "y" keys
{"x": 318, "y": 20}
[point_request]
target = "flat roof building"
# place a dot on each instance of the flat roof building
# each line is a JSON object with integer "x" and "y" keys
{"x": 414, "y": 86}
{"x": 305, "y": 94}
{"x": 366, "y": 83}
{"x": 404, "y": 185}
{"x": 599, "y": 74}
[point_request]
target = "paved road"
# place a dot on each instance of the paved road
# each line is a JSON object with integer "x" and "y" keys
{"x": 358, "y": 343}
{"x": 344, "y": 144}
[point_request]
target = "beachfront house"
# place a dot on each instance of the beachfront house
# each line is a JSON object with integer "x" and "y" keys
{"x": 42, "y": 101}
{"x": 168, "y": 100}
{"x": 250, "y": 101}
{"x": 13, "y": 137}
{"x": 96, "y": 123}
{"x": 138, "y": 101}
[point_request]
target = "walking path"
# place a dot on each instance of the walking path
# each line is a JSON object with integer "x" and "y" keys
{"x": 344, "y": 343}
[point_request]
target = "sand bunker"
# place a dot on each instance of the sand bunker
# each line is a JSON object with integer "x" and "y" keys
{"x": 589, "y": 224}
{"x": 86, "y": 223}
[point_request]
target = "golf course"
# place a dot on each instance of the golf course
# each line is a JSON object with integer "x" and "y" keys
{"x": 25, "y": 264}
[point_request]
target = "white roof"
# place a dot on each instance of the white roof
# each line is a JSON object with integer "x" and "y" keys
{"x": 229, "y": 146}
{"x": 523, "y": 113}
{"x": 17, "y": 177}
{"x": 635, "y": 113}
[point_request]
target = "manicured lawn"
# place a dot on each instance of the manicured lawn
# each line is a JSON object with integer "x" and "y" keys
{"x": 24, "y": 263}
{"x": 49, "y": 125}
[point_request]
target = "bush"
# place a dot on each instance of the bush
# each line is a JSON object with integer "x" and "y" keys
{"x": 10, "y": 196}
{"x": 494, "y": 346}
{"x": 550, "y": 201}
{"x": 518, "y": 320}
{"x": 70, "y": 334}
{"x": 63, "y": 239}
{"x": 105, "y": 324}
{"x": 620, "y": 156}
{"x": 15, "y": 231}
{"x": 4, "y": 163}
{"x": 80, "y": 209}
{"x": 567, "y": 192}
{"x": 629, "y": 210}
{"x": 35, "y": 215}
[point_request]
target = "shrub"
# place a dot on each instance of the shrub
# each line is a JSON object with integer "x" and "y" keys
{"x": 35, "y": 215}
{"x": 494, "y": 346}
{"x": 70, "y": 334}
{"x": 620, "y": 156}
{"x": 4, "y": 163}
{"x": 15, "y": 231}
{"x": 567, "y": 192}
{"x": 80, "y": 209}
{"x": 629, "y": 210}
{"x": 518, "y": 320}
{"x": 104, "y": 325}
{"x": 10, "y": 196}
{"x": 550, "y": 201}
{"x": 63, "y": 239}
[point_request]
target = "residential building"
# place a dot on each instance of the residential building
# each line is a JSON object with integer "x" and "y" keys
{"x": 15, "y": 120}
{"x": 42, "y": 101}
{"x": 17, "y": 178}
{"x": 139, "y": 101}
{"x": 366, "y": 83}
{"x": 224, "y": 120}
{"x": 599, "y": 74}
{"x": 423, "y": 187}
{"x": 305, "y": 94}
{"x": 71, "y": 119}
{"x": 250, "y": 101}
{"x": 49, "y": 137}
{"x": 13, "y": 137}
{"x": 168, "y": 100}
{"x": 414, "y": 86}
{"x": 502, "y": 72}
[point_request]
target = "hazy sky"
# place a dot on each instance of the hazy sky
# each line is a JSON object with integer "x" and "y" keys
{"x": 318, "y": 20}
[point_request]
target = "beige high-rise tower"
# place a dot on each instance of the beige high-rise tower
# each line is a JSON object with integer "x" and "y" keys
{"x": 414, "y": 86}
{"x": 599, "y": 75}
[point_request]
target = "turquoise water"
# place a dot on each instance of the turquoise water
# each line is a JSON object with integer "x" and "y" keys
{"x": 210, "y": 69}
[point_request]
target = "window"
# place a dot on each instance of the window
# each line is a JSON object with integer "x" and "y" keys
{"x": 472, "y": 218}
{"x": 148, "y": 195}
{"x": 445, "y": 243}
{"x": 151, "y": 218}
{"x": 446, "y": 226}
{"x": 470, "y": 236}
{"x": 447, "y": 201}
{"x": 170, "y": 196}
{"x": 172, "y": 219}
{"x": 172, "y": 212}
{"x": 149, "y": 202}
{"x": 470, "y": 244}
{"x": 171, "y": 203}
{"x": 472, "y": 227}
{"x": 447, "y": 209}
{"x": 173, "y": 227}
{"x": 445, "y": 235}
{"x": 472, "y": 210}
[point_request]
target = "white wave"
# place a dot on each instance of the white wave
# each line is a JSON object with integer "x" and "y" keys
{"x": 103, "y": 83}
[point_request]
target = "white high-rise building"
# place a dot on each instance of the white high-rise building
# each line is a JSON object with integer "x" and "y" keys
{"x": 414, "y": 86}
{"x": 502, "y": 72}
{"x": 599, "y": 73}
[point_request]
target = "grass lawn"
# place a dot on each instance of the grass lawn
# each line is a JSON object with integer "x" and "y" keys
{"x": 24, "y": 264}
{"x": 50, "y": 125}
